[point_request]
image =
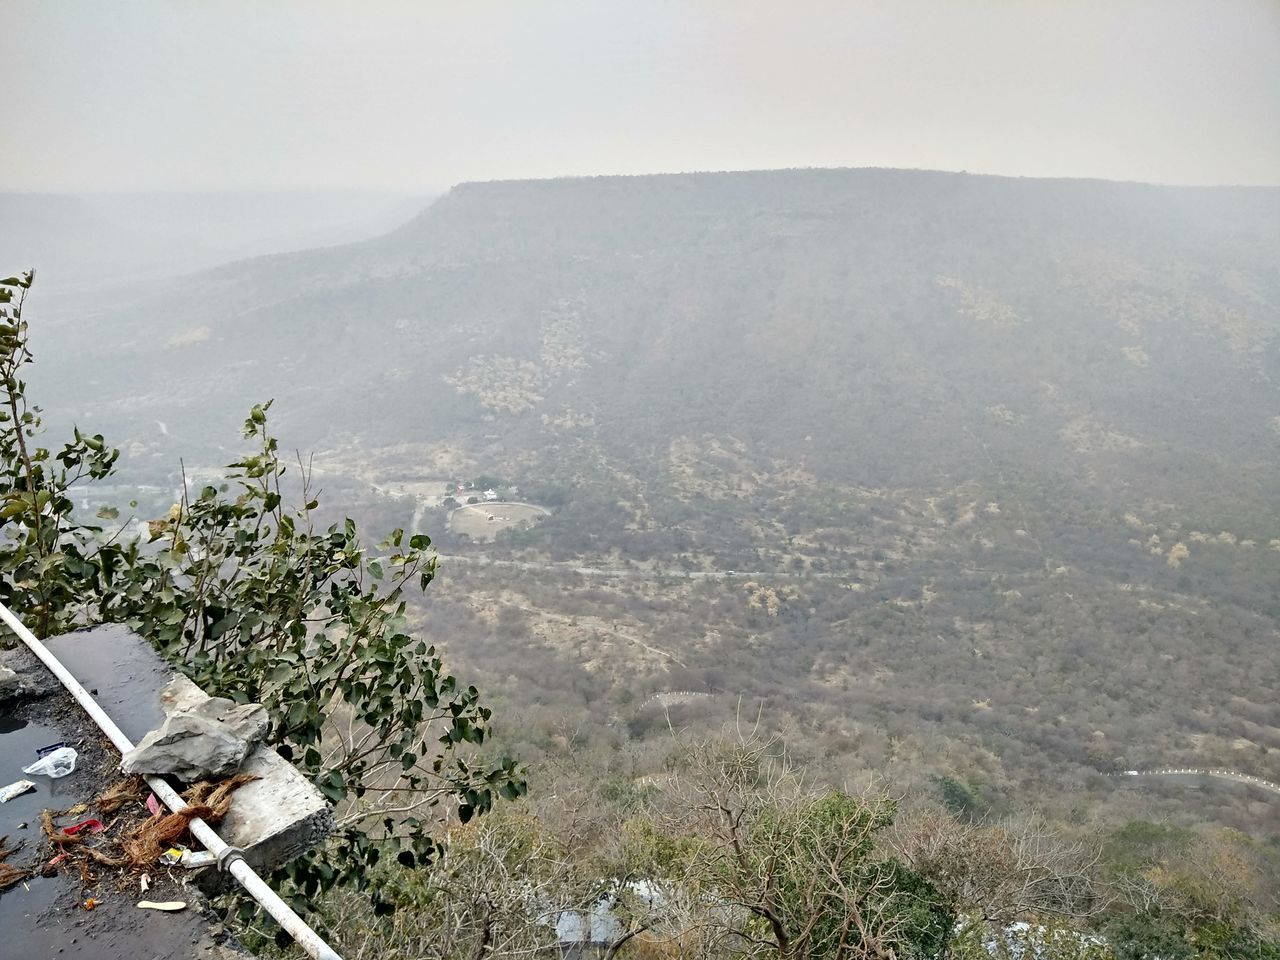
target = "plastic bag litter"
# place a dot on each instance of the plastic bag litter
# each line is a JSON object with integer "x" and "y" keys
{"x": 16, "y": 789}
{"x": 57, "y": 764}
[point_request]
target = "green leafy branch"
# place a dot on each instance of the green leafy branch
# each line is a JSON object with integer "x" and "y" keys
{"x": 238, "y": 588}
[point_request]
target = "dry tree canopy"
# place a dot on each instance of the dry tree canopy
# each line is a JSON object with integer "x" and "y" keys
{"x": 1001, "y": 871}
{"x": 795, "y": 869}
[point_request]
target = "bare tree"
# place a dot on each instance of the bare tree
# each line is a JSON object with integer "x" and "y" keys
{"x": 1001, "y": 871}
{"x": 497, "y": 892}
{"x": 793, "y": 869}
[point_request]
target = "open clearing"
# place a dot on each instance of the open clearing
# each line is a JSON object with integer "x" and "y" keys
{"x": 484, "y": 521}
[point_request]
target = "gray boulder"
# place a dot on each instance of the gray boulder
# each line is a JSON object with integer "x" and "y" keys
{"x": 248, "y": 721}
{"x": 202, "y": 737}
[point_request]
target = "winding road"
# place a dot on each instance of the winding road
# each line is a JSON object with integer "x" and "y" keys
{"x": 622, "y": 573}
{"x": 1233, "y": 775}
{"x": 672, "y": 573}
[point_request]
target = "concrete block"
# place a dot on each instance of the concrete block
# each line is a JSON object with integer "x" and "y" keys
{"x": 276, "y": 818}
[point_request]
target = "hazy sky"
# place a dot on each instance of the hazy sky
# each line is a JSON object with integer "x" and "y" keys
{"x": 152, "y": 94}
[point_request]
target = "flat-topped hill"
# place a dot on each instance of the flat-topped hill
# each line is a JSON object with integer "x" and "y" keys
{"x": 879, "y": 326}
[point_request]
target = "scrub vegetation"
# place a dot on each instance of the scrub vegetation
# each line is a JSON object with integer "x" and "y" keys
{"x": 892, "y": 517}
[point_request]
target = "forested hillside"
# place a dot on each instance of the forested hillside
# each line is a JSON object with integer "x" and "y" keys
{"x": 986, "y": 466}
{"x": 872, "y": 326}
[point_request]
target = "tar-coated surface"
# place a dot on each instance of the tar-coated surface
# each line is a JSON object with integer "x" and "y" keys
{"x": 44, "y": 916}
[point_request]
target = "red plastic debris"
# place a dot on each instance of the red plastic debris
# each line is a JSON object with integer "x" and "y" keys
{"x": 91, "y": 825}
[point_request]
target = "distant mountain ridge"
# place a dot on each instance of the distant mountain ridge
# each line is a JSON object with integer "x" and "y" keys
{"x": 994, "y": 460}
{"x": 96, "y": 238}
{"x": 876, "y": 326}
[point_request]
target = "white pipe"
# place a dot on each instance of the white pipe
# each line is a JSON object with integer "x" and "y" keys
{"x": 229, "y": 857}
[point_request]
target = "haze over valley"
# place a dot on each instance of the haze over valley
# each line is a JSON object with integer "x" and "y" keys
{"x": 980, "y": 466}
{"x": 847, "y": 435}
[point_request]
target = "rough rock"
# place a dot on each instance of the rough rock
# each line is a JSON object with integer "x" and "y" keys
{"x": 10, "y": 685}
{"x": 34, "y": 680}
{"x": 248, "y": 721}
{"x": 201, "y": 736}
{"x": 189, "y": 747}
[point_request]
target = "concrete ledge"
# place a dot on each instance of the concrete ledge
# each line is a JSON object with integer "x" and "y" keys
{"x": 274, "y": 819}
